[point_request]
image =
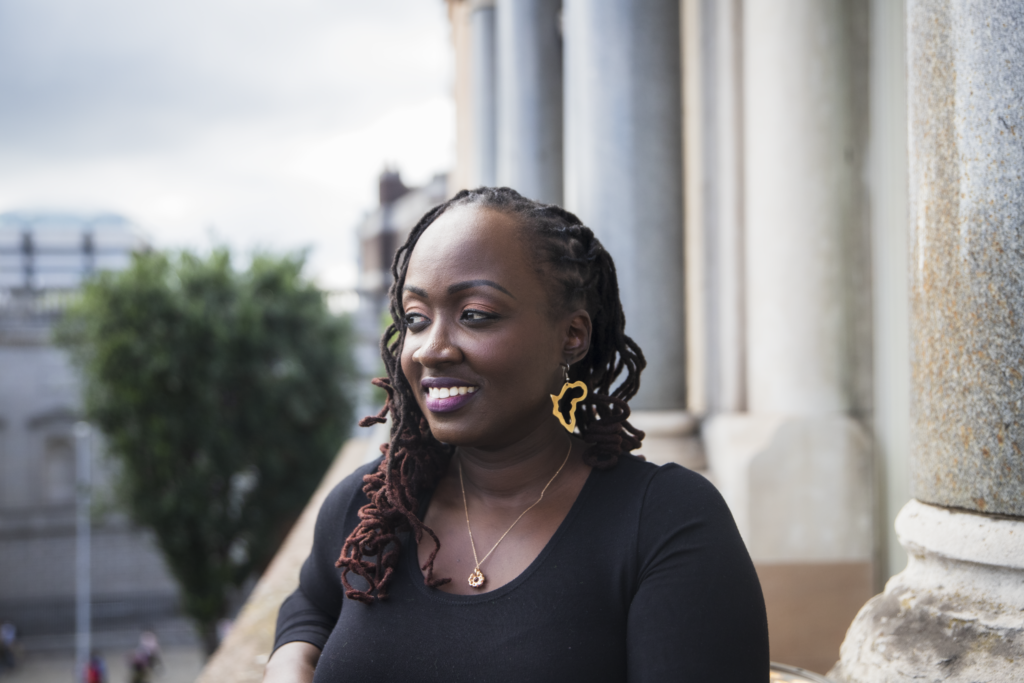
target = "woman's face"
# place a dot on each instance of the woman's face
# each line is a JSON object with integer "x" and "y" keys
{"x": 483, "y": 347}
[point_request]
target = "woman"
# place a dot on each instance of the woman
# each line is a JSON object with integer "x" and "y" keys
{"x": 507, "y": 534}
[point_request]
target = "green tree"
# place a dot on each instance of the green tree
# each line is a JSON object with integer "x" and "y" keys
{"x": 223, "y": 396}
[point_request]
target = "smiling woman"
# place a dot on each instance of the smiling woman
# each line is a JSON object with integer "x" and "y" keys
{"x": 490, "y": 542}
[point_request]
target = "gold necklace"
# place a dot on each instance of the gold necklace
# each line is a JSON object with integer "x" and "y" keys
{"x": 476, "y": 579}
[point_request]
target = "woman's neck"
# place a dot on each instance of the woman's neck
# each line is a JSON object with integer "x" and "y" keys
{"x": 519, "y": 469}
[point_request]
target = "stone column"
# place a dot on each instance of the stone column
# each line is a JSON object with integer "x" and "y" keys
{"x": 795, "y": 466}
{"x": 483, "y": 92}
{"x": 462, "y": 174}
{"x": 530, "y": 98}
{"x": 804, "y": 140}
{"x": 624, "y": 179}
{"x": 805, "y": 133}
{"x": 624, "y": 169}
{"x": 890, "y": 300}
{"x": 957, "y": 612}
{"x": 713, "y": 173}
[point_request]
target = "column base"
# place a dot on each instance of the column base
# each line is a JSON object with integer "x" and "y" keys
{"x": 955, "y": 614}
{"x": 800, "y": 491}
{"x": 798, "y": 487}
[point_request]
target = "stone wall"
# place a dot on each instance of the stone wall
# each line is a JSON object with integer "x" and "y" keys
{"x": 39, "y": 403}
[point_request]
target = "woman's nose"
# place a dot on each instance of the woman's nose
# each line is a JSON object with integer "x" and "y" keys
{"x": 438, "y": 349}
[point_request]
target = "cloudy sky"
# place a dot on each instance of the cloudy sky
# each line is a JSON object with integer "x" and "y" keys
{"x": 256, "y": 123}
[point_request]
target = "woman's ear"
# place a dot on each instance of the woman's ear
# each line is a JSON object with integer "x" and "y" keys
{"x": 577, "y": 337}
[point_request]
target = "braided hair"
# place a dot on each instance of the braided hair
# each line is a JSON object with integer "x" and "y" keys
{"x": 414, "y": 461}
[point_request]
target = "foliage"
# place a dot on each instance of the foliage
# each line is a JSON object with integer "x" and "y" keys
{"x": 223, "y": 396}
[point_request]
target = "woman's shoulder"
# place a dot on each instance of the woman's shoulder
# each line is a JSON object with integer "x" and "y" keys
{"x": 679, "y": 512}
{"x": 656, "y": 511}
{"x": 669, "y": 478}
{"x": 670, "y": 489}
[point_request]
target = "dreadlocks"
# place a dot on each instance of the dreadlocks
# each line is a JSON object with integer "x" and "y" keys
{"x": 414, "y": 461}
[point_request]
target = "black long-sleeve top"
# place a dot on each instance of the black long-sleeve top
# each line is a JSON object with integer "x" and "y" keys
{"x": 646, "y": 579}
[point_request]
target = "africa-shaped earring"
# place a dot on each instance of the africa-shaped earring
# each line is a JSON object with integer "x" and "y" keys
{"x": 570, "y": 424}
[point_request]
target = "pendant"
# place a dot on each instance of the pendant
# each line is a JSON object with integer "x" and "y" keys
{"x": 476, "y": 579}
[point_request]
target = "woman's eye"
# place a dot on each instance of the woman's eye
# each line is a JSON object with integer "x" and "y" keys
{"x": 414, "y": 319}
{"x": 476, "y": 316}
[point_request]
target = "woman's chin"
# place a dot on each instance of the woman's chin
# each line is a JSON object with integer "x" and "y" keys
{"x": 455, "y": 435}
{"x": 473, "y": 431}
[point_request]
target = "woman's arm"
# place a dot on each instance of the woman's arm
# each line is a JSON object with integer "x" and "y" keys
{"x": 307, "y": 617}
{"x": 293, "y": 662}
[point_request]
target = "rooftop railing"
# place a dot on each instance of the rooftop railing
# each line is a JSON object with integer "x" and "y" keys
{"x": 31, "y": 305}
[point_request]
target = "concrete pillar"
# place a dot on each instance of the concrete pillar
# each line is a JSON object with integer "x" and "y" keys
{"x": 955, "y": 613}
{"x": 529, "y": 68}
{"x": 890, "y": 300}
{"x": 462, "y": 174}
{"x": 805, "y": 133}
{"x": 795, "y": 467}
{"x": 624, "y": 169}
{"x": 967, "y": 259}
{"x": 807, "y": 321}
{"x": 713, "y": 120}
{"x": 483, "y": 92}
{"x": 83, "y": 547}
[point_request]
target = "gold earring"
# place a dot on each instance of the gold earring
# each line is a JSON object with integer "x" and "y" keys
{"x": 570, "y": 426}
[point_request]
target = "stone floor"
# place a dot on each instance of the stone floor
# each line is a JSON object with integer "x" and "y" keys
{"x": 180, "y": 665}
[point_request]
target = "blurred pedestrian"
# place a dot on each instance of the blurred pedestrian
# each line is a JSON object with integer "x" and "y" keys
{"x": 151, "y": 646}
{"x": 138, "y": 668}
{"x": 8, "y": 645}
{"x": 96, "y": 669}
{"x": 145, "y": 658}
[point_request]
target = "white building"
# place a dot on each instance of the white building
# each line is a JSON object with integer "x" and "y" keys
{"x": 43, "y": 259}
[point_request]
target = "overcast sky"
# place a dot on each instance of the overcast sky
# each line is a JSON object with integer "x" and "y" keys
{"x": 256, "y": 123}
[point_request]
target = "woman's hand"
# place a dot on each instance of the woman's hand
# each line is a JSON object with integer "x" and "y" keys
{"x": 293, "y": 662}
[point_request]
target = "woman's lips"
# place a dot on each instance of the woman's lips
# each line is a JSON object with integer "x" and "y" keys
{"x": 445, "y": 399}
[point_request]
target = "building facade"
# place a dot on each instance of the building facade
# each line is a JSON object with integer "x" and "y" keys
{"x": 380, "y": 232}
{"x": 43, "y": 259}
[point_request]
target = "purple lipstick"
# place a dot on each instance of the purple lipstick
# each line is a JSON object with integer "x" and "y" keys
{"x": 445, "y": 394}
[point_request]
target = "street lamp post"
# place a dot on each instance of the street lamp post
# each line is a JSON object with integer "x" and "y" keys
{"x": 83, "y": 549}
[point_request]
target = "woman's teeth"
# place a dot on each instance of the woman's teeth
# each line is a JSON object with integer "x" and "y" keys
{"x": 446, "y": 392}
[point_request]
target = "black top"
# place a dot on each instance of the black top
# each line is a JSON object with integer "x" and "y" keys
{"x": 646, "y": 579}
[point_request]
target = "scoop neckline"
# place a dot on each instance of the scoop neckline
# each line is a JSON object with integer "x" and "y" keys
{"x": 416, "y": 574}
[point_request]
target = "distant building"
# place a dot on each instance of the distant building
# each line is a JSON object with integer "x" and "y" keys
{"x": 44, "y": 257}
{"x": 380, "y": 233}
